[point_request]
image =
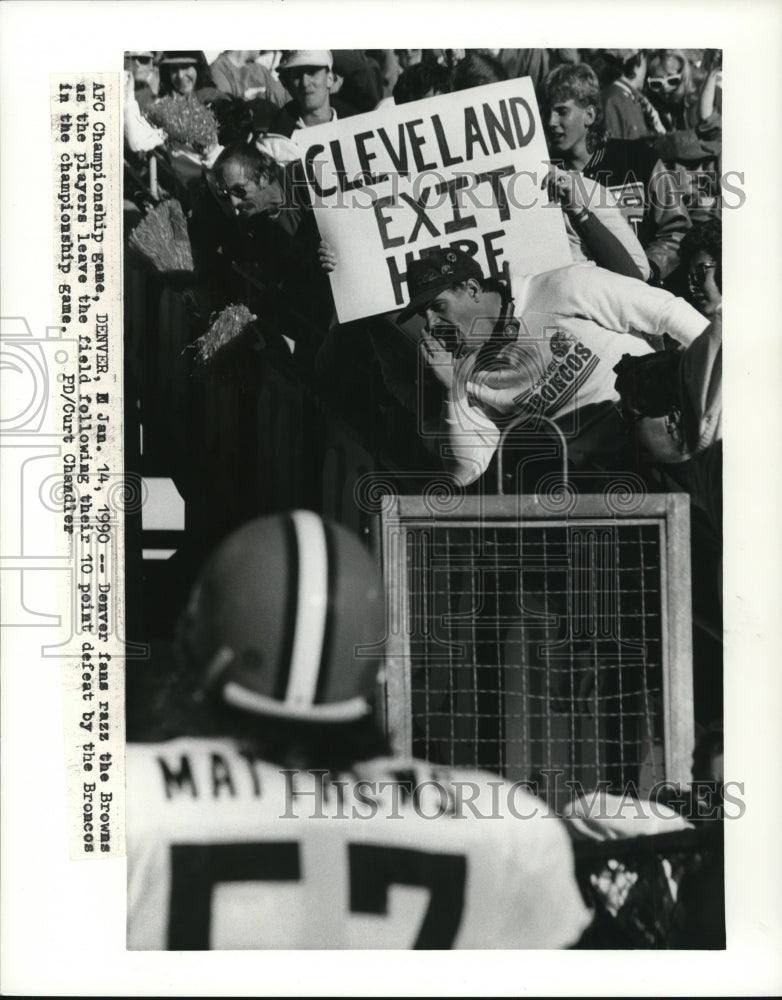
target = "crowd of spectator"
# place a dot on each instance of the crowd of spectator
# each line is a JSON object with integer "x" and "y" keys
{"x": 642, "y": 126}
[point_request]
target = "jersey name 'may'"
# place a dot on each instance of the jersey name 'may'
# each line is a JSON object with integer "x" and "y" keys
{"x": 230, "y": 852}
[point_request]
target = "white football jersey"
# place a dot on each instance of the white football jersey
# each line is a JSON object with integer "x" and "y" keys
{"x": 226, "y": 851}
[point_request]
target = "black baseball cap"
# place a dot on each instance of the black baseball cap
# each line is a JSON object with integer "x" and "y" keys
{"x": 438, "y": 270}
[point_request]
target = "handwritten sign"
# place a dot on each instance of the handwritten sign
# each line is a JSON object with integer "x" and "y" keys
{"x": 461, "y": 170}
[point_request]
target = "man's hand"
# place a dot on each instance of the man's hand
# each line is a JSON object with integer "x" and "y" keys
{"x": 564, "y": 189}
{"x": 438, "y": 359}
{"x": 327, "y": 257}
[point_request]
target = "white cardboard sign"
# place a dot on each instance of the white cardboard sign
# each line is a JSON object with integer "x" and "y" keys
{"x": 461, "y": 170}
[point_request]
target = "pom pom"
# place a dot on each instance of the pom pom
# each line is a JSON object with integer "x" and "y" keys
{"x": 185, "y": 121}
{"x": 230, "y": 324}
{"x": 161, "y": 237}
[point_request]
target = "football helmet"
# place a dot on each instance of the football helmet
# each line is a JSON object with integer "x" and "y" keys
{"x": 287, "y": 619}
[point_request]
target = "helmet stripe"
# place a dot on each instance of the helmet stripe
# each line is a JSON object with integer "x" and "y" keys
{"x": 250, "y": 701}
{"x": 327, "y": 653}
{"x": 290, "y": 609}
{"x": 313, "y": 599}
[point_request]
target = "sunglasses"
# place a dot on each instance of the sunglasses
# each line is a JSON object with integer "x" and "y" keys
{"x": 237, "y": 190}
{"x": 241, "y": 190}
{"x": 662, "y": 82}
{"x": 142, "y": 60}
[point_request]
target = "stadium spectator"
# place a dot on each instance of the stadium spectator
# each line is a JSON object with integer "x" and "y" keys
{"x": 695, "y": 164}
{"x": 478, "y": 69}
{"x": 186, "y": 73}
{"x": 185, "y": 113}
{"x": 671, "y": 89}
{"x": 700, "y": 272}
{"x": 280, "y": 779}
{"x": 502, "y": 64}
{"x": 710, "y": 99}
{"x": 390, "y": 71}
{"x": 412, "y": 57}
{"x": 358, "y": 79}
{"x": 673, "y": 404}
{"x": 628, "y": 113}
{"x": 542, "y": 346}
{"x": 242, "y": 120}
{"x": 250, "y": 182}
{"x": 277, "y": 236}
{"x": 565, "y": 57}
{"x": 595, "y": 226}
{"x": 254, "y": 187}
{"x": 533, "y": 63}
{"x": 237, "y": 73}
{"x": 307, "y": 75}
{"x": 422, "y": 80}
{"x": 645, "y": 190}
{"x": 251, "y": 185}
{"x": 140, "y": 136}
{"x": 146, "y": 77}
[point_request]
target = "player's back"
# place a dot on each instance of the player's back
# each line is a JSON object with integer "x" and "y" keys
{"x": 226, "y": 851}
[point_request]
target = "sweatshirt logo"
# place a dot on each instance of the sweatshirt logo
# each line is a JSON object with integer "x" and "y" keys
{"x": 560, "y": 343}
{"x": 561, "y": 379}
{"x": 571, "y": 366}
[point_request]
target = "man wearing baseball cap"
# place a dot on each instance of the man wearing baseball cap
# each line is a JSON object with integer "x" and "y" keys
{"x": 540, "y": 345}
{"x": 308, "y": 76}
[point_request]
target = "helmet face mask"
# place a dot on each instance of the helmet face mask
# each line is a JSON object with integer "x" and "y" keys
{"x": 286, "y": 621}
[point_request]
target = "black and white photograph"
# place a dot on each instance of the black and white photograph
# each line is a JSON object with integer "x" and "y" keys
{"x": 407, "y": 601}
{"x": 423, "y": 358}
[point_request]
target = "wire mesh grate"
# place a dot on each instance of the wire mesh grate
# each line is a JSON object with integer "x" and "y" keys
{"x": 537, "y": 646}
